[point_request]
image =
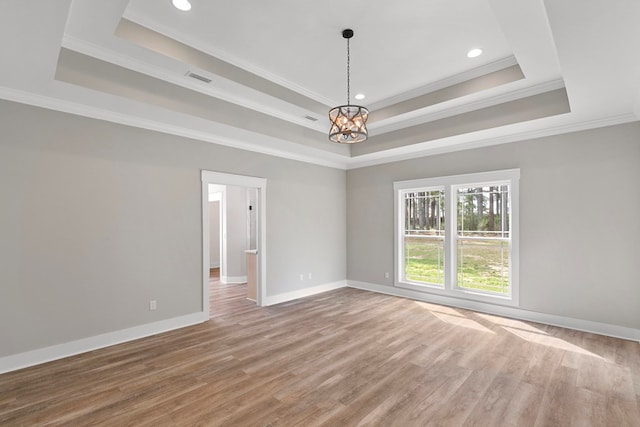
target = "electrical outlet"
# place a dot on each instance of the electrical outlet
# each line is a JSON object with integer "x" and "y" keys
{"x": 310, "y": 276}
{"x": 386, "y": 275}
{"x": 153, "y": 305}
{"x": 302, "y": 277}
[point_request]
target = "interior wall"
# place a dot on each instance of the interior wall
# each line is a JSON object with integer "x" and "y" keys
{"x": 122, "y": 225}
{"x": 579, "y": 227}
{"x": 214, "y": 234}
{"x": 252, "y": 220}
{"x": 236, "y": 232}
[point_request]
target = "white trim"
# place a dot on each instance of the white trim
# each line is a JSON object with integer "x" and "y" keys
{"x": 145, "y": 21}
{"x": 315, "y": 156}
{"x": 229, "y": 280}
{"x": 222, "y": 134}
{"x": 472, "y": 140}
{"x": 209, "y": 177}
{"x": 422, "y": 115}
{"x": 232, "y": 179}
{"x": 301, "y": 293}
{"x": 599, "y": 328}
{"x": 480, "y": 71}
{"x": 206, "y": 251}
{"x": 461, "y": 179}
{"x": 59, "y": 351}
{"x": 209, "y": 50}
{"x": 222, "y": 88}
{"x": 449, "y": 185}
{"x": 224, "y": 260}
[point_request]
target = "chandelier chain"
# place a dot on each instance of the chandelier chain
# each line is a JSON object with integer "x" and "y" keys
{"x": 348, "y": 74}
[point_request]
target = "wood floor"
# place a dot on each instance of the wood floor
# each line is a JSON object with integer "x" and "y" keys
{"x": 343, "y": 358}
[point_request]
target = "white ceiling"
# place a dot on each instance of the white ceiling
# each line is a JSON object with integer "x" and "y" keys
{"x": 299, "y": 44}
{"x": 548, "y": 67}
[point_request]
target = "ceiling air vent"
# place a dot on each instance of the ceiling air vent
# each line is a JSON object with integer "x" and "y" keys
{"x": 313, "y": 119}
{"x": 198, "y": 77}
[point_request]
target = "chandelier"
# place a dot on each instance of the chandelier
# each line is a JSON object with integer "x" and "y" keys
{"x": 348, "y": 122}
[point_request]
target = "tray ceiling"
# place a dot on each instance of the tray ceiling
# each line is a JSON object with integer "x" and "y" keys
{"x": 262, "y": 76}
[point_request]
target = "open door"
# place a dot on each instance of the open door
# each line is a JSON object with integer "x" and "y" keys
{"x": 254, "y": 233}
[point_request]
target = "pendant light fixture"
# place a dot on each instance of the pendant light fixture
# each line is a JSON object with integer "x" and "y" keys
{"x": 348, "y": 122}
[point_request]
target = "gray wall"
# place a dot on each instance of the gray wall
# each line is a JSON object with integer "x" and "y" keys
{"x": 579, "y": 219}
{"x": 214, "y": 234}
{"x": 236, "y": 213}
{"x": 99, "y": 218}
{"x": 252, "y": 219}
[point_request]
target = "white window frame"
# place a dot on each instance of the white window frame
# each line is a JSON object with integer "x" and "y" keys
{"x": 400, "y": 230}
{"x": 451, "y": 184}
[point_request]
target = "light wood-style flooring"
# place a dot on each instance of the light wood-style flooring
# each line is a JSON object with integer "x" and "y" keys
{"x": 342, "y": 358}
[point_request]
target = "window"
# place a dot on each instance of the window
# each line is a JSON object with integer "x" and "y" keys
{"x": 424, "y": 236}
{"x": 457, "y": 236}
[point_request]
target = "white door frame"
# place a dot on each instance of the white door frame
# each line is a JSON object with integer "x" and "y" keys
{"x": 209, "y": 177}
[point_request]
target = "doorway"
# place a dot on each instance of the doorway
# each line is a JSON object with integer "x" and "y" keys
{"x": 250, "y": 194}
{"x": 232, "y": 234}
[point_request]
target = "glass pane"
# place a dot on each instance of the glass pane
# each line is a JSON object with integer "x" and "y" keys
{"x": 424, "y": 236}
{"x": 484, "y": 211}
{"x": 424, "y": 259}
{"x": 483, "y": 265}
{"x": 424, "y": 213}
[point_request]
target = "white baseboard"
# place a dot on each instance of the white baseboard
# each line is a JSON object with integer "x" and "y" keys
{"x": 301, "y": 293}
{"x": 228, "y": 280}
{"x": 214, "y": 266}
{"x": 512, "y": 312}
{"x": 59, "y": 351}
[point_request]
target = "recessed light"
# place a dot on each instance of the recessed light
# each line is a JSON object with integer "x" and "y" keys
{"x": 360, "y": 96}
{"x": 474, "y": 53}
{"x": 183, "y": 5}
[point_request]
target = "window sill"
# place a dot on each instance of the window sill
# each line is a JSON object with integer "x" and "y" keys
{"x": 506, "y": 300}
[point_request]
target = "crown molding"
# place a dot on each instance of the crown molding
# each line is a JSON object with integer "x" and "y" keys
{"x": 222, "y": 135}
{"x": 441, "y": 111}
{"x": 445, "y": 83}
{"x": 471, "y": 140}
{"x": 224, "y": 56}
{"x": 250, "y": 141}
{"x": 108, "y": 55}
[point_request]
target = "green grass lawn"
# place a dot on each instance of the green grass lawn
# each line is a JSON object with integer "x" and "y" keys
{"x": 481, "y": 263}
